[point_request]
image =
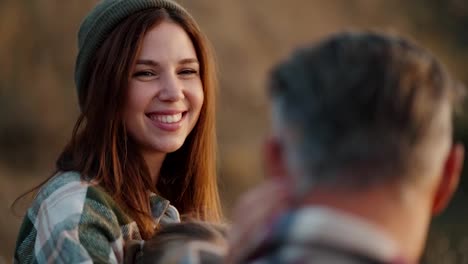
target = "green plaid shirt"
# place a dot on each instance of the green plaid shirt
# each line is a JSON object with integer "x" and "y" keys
{"x": 75, "y": 221}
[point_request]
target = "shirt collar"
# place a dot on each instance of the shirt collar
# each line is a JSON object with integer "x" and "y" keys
{"x": 162, "y": 211}
{"x": 336, "y": 228}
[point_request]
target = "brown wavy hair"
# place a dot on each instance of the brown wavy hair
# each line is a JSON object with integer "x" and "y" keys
{"x": 101, "y": 150}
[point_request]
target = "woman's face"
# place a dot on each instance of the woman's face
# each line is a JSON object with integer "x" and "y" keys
{"x": 165, "y": 93}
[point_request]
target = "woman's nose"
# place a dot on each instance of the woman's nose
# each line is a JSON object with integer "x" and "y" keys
{"x": 171, "y": 89}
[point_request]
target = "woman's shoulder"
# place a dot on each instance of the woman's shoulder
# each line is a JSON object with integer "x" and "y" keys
{"x": 67, "y": 201}
{"x": 72, "y": 216}
{"x": 63, "y": 187}
{"x": 67, "y": 193}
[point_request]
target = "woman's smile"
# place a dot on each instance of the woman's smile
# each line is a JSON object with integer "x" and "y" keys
{"x": 168, "y": 120}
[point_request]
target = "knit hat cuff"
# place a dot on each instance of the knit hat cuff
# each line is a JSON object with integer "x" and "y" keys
{"x": 101, "y": 21}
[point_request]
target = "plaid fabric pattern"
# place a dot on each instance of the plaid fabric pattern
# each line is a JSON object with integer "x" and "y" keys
{"x": 319, "y": 235}
{"x": 75, "y": 221}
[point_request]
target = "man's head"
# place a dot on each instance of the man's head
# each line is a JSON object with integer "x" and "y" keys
{"x": 361, "y": 109}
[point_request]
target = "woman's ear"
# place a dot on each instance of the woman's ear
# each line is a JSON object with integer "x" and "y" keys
{"x": 131, "y": 250}
{"x": 275, "y": 163}
{"x": 449, "y": 179}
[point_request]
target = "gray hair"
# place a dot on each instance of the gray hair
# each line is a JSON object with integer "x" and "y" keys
{"x": 359, "y": 108}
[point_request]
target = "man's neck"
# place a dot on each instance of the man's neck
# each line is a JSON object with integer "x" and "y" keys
{"x": 402, "y": 216}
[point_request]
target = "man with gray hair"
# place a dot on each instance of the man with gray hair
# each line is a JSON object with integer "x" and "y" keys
{"x": 360, "y": 159}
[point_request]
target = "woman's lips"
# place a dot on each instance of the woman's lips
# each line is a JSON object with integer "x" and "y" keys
{"x": 167, "y": 121}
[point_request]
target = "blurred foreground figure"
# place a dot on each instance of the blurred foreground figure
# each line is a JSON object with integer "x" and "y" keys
{"x": 190, "y": 242}
{"x": 361, "y": 155}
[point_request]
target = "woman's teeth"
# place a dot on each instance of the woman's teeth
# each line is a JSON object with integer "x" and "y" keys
{"x": 168, "y": 119}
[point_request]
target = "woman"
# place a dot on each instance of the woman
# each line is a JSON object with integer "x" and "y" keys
{"x": 146, "y": 136}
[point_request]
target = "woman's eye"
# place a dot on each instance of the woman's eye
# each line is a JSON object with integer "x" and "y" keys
{"x": 144, "y": 74}
{"x": 188, "y": 72}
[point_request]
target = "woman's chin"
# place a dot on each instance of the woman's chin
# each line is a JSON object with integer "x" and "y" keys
{"x": 169, "y": 148}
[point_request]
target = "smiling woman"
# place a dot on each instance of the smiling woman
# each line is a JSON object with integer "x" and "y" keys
{"x": 165, "y": 94}
{"x": 142, "y": 153}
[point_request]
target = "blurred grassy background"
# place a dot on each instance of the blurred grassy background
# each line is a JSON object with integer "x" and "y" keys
{"x": 38, "y": 105}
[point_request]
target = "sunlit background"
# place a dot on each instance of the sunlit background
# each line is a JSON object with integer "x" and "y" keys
{"x": 38, "y": 105}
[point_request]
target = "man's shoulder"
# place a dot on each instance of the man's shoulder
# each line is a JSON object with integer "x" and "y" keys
{"x": 323, "y": 235}
{"x": 315, "y": 254}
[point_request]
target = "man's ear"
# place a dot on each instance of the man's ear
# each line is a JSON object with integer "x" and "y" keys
{"x": 450, "y": 178}
{"x": 274, "y": 159}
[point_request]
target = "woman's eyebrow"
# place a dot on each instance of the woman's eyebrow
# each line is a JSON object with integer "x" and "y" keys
{"x": 188, "y": 61}
{"x": 147, "y": 62}
{"x": 154, "y": 63}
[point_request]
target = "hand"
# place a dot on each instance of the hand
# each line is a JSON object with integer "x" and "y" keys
{"x": 252, "y": 216}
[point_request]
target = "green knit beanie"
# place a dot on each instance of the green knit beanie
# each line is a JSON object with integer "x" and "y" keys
{"x": 100, "y": 22}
